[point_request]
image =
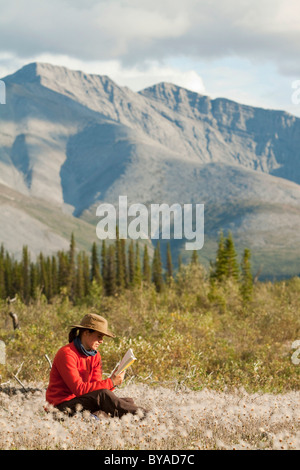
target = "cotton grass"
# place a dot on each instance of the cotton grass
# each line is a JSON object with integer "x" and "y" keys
{"x": 178, "y": 419}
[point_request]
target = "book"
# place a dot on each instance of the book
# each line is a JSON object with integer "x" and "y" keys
{"x": 126, "y": 361}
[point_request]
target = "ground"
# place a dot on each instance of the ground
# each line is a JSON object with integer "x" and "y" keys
{"x": 178, "y": 419}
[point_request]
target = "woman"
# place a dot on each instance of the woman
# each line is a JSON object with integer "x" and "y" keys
{"x": 76, "y": 375}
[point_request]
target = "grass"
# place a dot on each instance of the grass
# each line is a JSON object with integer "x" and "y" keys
{"x": 179, "y": 420}
{"x": 190, "y": 333}
{"x": 204, "y": 358}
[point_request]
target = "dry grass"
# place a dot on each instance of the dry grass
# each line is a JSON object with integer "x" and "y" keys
{"x": 179, "y": 419}
{"x": 216, "y": 373}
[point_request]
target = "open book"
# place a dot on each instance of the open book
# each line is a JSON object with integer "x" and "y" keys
{"x": 127, "y": 360}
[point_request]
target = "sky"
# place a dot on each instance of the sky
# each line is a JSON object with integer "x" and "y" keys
{"x": 244, "y": 50}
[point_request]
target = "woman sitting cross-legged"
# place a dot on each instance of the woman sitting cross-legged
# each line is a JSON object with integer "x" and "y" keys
{"x": 76, "y": 375}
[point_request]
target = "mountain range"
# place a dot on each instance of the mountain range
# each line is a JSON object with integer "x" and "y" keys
{"x": 70, "y": 141}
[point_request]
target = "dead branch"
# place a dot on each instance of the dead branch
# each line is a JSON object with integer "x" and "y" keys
{"x": 15, "y": 320}
{"x": 15, "y": 376}
{"x": 5, "y": 383}
{"x": 13, "y": 315}
{"x": 130, "y": 380}
{"x": 20, "y": 368}
{"x": 19, "y": 381}
{"x": 50, "y": 363}
{"x": 148, "y": 376}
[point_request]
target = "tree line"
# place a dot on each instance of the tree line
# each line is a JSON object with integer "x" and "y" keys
{"x": 113, "y": 266}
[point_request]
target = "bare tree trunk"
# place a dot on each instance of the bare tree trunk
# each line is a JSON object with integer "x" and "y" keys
{"x": 13, "y": 315}
{"x": 15, "y": 320}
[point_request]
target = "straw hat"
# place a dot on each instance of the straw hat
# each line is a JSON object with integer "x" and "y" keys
{"x": 92, "y": 321}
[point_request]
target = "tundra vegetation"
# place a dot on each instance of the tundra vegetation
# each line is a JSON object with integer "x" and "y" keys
{"x": 214, "y": 349}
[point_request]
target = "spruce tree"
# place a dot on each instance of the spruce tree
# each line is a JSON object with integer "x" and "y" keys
{"x": 157, "y": 275}
{"x": 137, "y": 268}
{"x": 226, "y": 265}
{"x": 95, "y": 266}
{"x": 194, "y": 257}
{"x": 86, "y": 273}
{"x": 131, "y": 263}
{"x": 220, "y": 269}
{"x": 54, "y": 275}
{"x": 169, "y": 264}
{"x": 33, "y": 280}
{"x": 80, "y": 281}
{"x": 124, "y": 262}
{"x": 43, "y": 274}
{"x": 17, "y": 277}
{"x": 25, "y": 274}
{"x": 103, "y": 260}
{"x": 146, "y": 266}
{"x": 120, "y": 266}
{"x": 71, "y": 269}
{"x": 246, "y": 287}
{"x": 63, "y": 270}
{"x": 8, "y": 277}
{"x": 2, "y": 279}
{"x": 110, "y": 279}
{"x": 232, "y": 267}
{"x": 49, "y": 292}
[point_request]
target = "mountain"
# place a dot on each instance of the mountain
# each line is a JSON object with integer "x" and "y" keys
{"x": 40, "y": 225}
{"x": 72, "y": 141}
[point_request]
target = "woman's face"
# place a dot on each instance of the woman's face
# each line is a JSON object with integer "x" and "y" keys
{"x": 91, "y": 339}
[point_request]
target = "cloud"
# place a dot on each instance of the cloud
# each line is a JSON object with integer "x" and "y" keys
{"x": 151, "y": 73}
{"x": 93, "y": 31}
{"x": 245, "y": 50}
{"x": 138, "y": 31}
{"x": 134, "y": 77}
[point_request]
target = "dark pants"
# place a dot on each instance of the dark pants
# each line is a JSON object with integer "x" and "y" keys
{"x": 101, "y": 403}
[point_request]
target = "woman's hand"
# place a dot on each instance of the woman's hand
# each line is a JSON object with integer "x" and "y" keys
{"x": 118, "y": 379}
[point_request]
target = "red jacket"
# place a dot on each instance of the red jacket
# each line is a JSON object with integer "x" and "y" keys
{"x": 73, "y": 374}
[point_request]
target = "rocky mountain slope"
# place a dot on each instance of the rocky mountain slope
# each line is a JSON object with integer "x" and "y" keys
{"x": 71, "y": 141}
